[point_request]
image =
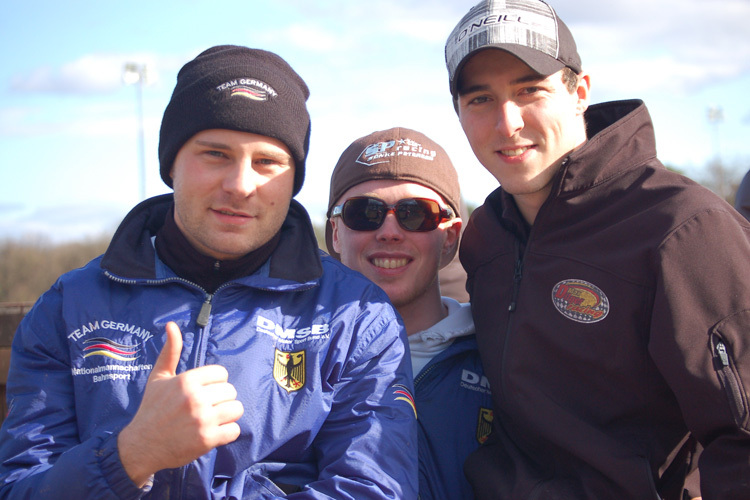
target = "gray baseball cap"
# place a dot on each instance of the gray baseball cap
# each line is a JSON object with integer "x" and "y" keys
{"x": 528, "y": 29}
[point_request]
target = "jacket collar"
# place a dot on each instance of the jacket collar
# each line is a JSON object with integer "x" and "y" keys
{"x": 131, "y": 253}
{"x": 620, "y": 137}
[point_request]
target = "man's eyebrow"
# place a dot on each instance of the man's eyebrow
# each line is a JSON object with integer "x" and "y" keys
{"x": 280, "y": 156}
{"x": 470, "y": 90}
{"x": 530, "y": 78}
{"x": 212, "y": 144}
{"x": 480, "y": 87}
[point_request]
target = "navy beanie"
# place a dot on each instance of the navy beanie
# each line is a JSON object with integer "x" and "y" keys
{"x": 237, "y": 88}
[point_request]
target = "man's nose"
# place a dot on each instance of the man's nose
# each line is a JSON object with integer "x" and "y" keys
{"x": 242, "y": 179}
{"x": 390, "y": 230}
{"x": 509, "y": 120}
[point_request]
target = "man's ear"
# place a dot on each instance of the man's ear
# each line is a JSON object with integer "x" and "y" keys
{"x": 452, "y": 230}
{"x": 335, "y": 242}
{"x": 583, "y": 90}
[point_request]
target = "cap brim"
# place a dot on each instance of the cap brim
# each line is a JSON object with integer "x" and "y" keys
{"x": 538, "y": 61}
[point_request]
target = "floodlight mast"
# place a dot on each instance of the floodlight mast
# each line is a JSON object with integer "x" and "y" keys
{"x": 137, "y": 74}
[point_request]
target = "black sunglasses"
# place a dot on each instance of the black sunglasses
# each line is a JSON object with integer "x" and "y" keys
{"x": 363, "y": 213}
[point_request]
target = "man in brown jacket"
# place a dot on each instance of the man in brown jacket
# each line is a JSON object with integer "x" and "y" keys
{"x": 610, "y": 295}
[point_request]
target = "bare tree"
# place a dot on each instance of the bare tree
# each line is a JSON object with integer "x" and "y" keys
{"x": 28, "y": 267}
{"x": 724, "y": 179}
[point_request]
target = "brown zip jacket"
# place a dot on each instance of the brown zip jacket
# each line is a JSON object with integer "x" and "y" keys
{"x": 615, "y": 332}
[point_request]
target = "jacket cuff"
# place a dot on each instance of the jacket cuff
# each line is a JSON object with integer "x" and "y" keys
{"x": 114, "y": 473}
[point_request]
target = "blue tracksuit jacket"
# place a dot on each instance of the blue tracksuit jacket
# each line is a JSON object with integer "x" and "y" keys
{"x": 315, "y": 351}
{"x": 454, "y": 404}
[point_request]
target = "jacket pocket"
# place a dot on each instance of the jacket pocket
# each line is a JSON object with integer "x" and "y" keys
{"x": 729, "y": 379}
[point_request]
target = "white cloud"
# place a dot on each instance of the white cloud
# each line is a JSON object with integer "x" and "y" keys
{"x": 64, "y": 222}
{"x": 90, "y": 73}
{"x": 670, "y": 45}
{"x": 426, "y": 30}
{"x": 78, "y": 120}
{"x": 310, "y": 38}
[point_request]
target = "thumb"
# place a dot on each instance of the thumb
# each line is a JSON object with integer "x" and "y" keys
{"x": 166, "y": 363}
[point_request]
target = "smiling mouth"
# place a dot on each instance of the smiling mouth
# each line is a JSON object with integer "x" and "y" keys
{"x": 231, "y": 214}
{"x": 514, "y": 152}
{"x": 388, "y": 263}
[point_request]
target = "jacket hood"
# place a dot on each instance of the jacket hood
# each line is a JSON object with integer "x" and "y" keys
{"x": 457, "y": 323}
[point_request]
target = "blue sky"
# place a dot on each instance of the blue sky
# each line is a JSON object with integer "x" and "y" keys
{"x": 69, "y": 130}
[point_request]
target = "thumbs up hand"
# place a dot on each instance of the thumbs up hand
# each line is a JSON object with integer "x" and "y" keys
{"x": 181, "y": 417}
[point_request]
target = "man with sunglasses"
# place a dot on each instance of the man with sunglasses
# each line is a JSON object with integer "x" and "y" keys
{"x": 394, "y": 216}
{"x": 611, "y": 296}
{"x": 214, "y": 351}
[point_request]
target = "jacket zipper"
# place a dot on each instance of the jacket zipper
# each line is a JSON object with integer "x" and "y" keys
{"x": 518, "y": 269}
{"x": 730, "y": 381}
{"x": 205, "y": 311}
{"x": 204, "y": 315}
{"x": 202, "y": 321}
{"x": 517, "y": 275}
{"x": 422, "y": 375}
{"x": 132, "y": 281}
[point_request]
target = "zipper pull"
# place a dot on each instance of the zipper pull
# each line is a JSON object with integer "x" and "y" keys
{"x": 205, "y": 312}
{"x": 721, "y": 350}
{"x": 518, "y": 271}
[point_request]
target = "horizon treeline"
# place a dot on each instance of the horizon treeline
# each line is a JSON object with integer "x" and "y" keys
{"x": 29, "y": 266}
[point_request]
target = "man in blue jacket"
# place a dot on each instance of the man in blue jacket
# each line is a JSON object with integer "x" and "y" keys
{"x": 394, "y": 215}
{"x": 213, "y": 351}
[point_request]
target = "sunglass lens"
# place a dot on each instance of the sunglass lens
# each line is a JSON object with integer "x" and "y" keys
{"x": 363, "y": 214}
{"x": 418, "y": 214}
